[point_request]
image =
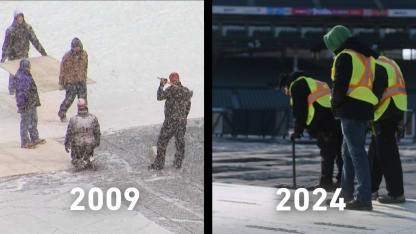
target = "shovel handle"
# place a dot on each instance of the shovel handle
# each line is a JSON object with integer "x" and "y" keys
{"x": 293, "y": 164}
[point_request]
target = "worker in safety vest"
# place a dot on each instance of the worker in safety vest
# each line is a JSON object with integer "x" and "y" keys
{"x": 312, "y": 110}
{"x": 383, "y": 154}
{"x": 353, "y": 102}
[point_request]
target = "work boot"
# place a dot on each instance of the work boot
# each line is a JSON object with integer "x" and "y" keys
{"x": 374, "y": 196}
{"x": 359, "y": 205}
{"x": 153, "y": 166}
{"x": 391, "y": 199}
{"x": 29, "y": 145}
{"x": 39, "y": 141}
{"x": 177, "y": 164}
{"x": 346, "y": 200}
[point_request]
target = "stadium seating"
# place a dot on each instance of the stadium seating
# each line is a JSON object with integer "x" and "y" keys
{"x": 262, "y": 35}
{"x": 237, "y": 34}
{"x": 396, "y": 40}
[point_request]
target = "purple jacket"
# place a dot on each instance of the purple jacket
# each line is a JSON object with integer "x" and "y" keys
{"x": 26, "y": 91}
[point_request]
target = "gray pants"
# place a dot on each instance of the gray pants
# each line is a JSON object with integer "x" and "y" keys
{"x": 72, "y": 90}
{"x": 29, "y": 126}
{"x": 168, "y": 130}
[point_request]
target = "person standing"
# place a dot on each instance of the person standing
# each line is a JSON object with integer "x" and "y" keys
{"x": 82, "y": 136}
{"x": 389, "y": 87}
{"x": 353, "y": 103}
{"x": 16, "y": 43}
{"x": 177, "y": 107}
{"x": 27, "y": 100}
{"x": 73, "y": 76}
{"x": 312, "y": 110}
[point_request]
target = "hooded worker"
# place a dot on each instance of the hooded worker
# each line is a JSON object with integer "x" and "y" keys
{"x": 309, "y": 99}
{"x": 353, "y": 102}
{"x": 73, "y": 76}
{"x": 16, "y": 43}
{"x": 27, "y": 101}
{"x": 82, "y": 136}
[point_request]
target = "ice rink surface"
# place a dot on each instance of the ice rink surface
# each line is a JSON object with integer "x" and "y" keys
{"x": 129, "y": 44}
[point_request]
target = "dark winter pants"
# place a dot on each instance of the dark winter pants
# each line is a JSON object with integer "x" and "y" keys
{"x": 385, "y": 158}
{"x": 72, "y": 90}
{"x": 12, "y": 86}
{"x": 330, "y": 145}
{"x": 29, "y": 126}
{"x": 169, "y": 129}
{"x": 82, "y": 152}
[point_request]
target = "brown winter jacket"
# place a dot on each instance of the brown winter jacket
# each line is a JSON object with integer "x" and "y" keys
{"x": 73, "y": 69}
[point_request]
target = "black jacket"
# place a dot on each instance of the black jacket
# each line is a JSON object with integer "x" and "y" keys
{"x": 342, "y": 105}
{"x": 323, "y": 120}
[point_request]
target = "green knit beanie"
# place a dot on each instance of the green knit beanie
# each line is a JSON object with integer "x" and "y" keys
{"x": 336, "y": 36}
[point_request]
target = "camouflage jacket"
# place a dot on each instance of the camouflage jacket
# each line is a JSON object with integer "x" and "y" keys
{"x": 73, "y": 68}
{"x": 178, "y": 101}
{"x": 16, "y": 41}
{"x": 83, "y": 129}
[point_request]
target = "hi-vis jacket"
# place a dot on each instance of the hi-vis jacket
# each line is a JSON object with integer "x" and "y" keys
{"x": 396, "y": 89}
{"x": 320, "y": 93}
{"x": 362, "y": 76}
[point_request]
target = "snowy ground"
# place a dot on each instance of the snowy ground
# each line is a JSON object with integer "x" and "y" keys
{"x": 129, "y": 45}
{"x": 170, "y": 201}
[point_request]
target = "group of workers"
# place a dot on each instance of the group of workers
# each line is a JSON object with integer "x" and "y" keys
{"x": 368, "y": 94}
{"x": 83, "y": 131}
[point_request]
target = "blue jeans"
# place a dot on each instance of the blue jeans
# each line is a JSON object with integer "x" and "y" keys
{"x": 355, "y": 160}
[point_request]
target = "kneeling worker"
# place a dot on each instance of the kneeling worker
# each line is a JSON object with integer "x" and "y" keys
{"x": 82, "y": 136}
{"x": 312, "y": 110}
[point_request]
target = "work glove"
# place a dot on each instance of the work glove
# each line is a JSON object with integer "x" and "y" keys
{"x": 400, "y": 130}
{"x": 294, "y": 135}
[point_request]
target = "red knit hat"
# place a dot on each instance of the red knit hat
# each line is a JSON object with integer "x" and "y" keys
{"x": 82, "y": 104}
{"x": 174, "y": 77}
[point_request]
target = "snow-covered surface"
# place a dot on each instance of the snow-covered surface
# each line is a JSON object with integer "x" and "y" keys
{"x": 129, "y": 44}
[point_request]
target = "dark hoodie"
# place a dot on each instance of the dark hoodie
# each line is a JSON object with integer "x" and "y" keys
{"x": 344, "y": 106}
{"x": 323, "y": 120}
{"x": 17, "y": 38}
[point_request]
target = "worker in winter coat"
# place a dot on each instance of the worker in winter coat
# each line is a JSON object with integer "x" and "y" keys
{"x": 82, "y": 136}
